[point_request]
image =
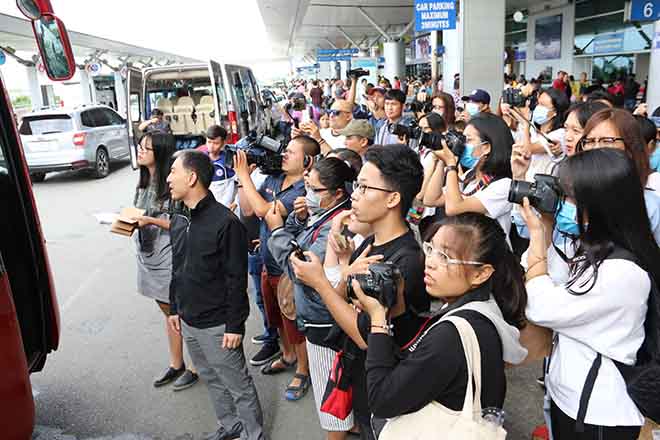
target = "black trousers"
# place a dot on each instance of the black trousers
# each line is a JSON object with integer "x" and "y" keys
{"x": 563, "y": 428}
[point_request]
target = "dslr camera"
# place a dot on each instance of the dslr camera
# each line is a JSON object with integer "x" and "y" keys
{"x": 262, "y": 151}
{"x": 544, "y": 193}
{"x": 357, "y": 73}
{"x": 410, "y": 130}
{"x": 513, "y": 97}
{"x": 381, "y": 283}
{"x": 433, "y": 141}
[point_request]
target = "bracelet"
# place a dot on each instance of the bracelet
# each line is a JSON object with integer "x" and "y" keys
{"x": 536, "y": 263}
{"x": 386, "y": 327}
{"x": 449, "y": 168}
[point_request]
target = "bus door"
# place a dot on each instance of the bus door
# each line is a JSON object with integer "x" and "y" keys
{"x": 136, "y": 110}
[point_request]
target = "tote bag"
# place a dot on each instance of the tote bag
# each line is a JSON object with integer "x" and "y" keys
{"x": 435, "y": 421}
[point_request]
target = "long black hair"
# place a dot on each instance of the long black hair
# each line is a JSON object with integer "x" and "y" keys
{"x": 606, "y": 187}
{"x": 163, "y": 145}
{"x": 560, "y": 103}
{"x": 485, "y": 241}
{"x": 493, "y": 129}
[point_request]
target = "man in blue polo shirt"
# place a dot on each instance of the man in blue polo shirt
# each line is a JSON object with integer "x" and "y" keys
{"x": 223, "y": 185}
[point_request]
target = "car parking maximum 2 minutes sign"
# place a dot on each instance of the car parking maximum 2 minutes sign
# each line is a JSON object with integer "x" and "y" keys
{"x": 435, "y": 15}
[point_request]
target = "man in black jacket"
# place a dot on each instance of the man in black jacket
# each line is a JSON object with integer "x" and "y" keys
{"x": 208, "y": 298}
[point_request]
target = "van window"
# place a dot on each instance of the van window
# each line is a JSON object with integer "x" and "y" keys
{"x": 45, "y": 124}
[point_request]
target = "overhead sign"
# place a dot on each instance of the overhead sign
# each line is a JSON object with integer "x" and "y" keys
{"x": 337, "y": 52}
{"x": 644, "y": 10}
{"x": 329, "y": 58}
{"x": 435, "y": 15}
{"x": 608, "y": 43}
{"x": 93, "y": 68}
{"x": 308, "y": 69}
{"x": 3, "y": 58}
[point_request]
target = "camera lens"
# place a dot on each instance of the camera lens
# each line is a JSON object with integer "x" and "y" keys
{"x": 519, "y": 190}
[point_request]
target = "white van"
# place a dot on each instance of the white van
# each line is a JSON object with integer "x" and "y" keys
{"x": 194, "y": 96}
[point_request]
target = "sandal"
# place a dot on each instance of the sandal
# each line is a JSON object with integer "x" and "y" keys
{"x": 269, "y": 370}
{"x": 294, "y": 393}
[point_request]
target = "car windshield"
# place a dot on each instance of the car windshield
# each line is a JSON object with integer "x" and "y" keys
{"x": 46, "y": 124}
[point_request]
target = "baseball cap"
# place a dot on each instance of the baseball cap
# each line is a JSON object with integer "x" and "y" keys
{"x": 478, "y": 95}
{"x": 358, "y": 127}
{"x": 656, "y": 121}
{"x": 373, "y": 90}
{"x": 342, "y": 105}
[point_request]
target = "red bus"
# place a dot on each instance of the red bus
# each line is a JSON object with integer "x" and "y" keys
{"x": 29, "y": 315}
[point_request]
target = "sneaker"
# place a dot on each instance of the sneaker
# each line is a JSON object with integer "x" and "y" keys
{"x": 260, "y": 339}
{"x": 223, "y": 434}
{"x": 170, "y": 375}
{"x": 186, "y": 380}
{"x": 266, "y": 354}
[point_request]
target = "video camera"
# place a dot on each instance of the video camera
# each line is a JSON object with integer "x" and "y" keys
{"x": 262, "y": 151}
{"x": 357, "y": 73}
{"x": 544, "y": 193}
{"x": 381, "y": 283}
{"x": 433, "y": 141}
{"x": 513, "y": 97}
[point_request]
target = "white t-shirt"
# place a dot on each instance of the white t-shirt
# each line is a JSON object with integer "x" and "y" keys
{"x": 495, "y": 198}
{"x": 335, "y": 142}
{"x": 543, "y": 163}
{"x": 653, "y": 182}
{"x": 601, "y": 320}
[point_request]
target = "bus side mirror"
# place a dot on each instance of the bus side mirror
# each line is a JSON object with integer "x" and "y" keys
{"x": 54, "y": 47}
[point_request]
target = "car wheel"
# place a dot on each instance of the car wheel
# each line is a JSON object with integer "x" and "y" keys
{"x": 38, "y": 177}
{"x": 102, "y": 167}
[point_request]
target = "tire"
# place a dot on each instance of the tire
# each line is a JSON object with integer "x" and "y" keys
{"x": 102, "y": 164}
{"x": 38, "y": 177}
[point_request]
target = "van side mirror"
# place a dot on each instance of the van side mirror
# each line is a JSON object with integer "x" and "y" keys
{"x": 54, "y": 47}
{"x": 34, "y": 9}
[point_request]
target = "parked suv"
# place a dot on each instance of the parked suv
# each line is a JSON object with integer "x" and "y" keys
{"x": 85, "y": 137}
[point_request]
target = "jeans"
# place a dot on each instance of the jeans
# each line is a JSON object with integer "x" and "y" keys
{"x": 229, "y": 383}
{"x": 255, "y": 265}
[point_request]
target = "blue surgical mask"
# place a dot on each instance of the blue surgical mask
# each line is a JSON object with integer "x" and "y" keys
{"x": 566, "y": 219}
{"x": 472, "y": 108}
{"x": 540, "y": 115}
{"x": 467, "y": 159}
{"x": 655, "y": 157}
{"x": 313, "y": 201}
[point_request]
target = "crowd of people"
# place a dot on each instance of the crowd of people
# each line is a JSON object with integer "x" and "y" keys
{"x": 413, "y": 231}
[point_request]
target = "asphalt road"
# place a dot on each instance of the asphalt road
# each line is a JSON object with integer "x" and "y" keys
{"x": 98, "y": 385}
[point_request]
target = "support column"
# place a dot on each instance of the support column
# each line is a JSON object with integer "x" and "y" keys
{"x": 482, "y": 23}
{"x": 653, "y": 89}
{"x": 86, "y": 95}
{"x": 434, "y": 62}
{"x": 120, "y": 93}
{"x": 35, "y": 90}
{"x": 395, "y": 61}
{"x": 451, "y": 58}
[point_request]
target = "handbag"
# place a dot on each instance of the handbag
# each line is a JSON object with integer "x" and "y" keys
{"x": 285, "y": 297}
{"x": 338, "y": 396}
{"x": 437, "y": 422}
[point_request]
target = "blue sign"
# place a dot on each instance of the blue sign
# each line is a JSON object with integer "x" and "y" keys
{"x": 608, "y": 43}
{"x": 520, "y": 54}
{"x": 644, "y": 10}
{"x": 337, "y": 52}
{"x": 3, "y": 58}
{"x": 435, "y": 15}
{"x": 321, "y": 59}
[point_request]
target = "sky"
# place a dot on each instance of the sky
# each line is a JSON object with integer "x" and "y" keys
{"x": 203, "y": 31}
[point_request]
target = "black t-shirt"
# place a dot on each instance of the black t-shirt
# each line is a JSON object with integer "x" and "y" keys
{"x": 407, "y": 255}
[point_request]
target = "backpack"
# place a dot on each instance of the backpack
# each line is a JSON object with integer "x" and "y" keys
{"x": 643, "y": 378}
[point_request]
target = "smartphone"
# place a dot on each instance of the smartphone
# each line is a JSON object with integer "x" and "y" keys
{"x": 297, "y": 250}
{"x": 305, "y": 117}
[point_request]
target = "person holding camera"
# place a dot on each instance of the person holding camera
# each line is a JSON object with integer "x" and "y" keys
{"x": 382, "y": 196}
{"x": 281, "y": 190}
{"x": 470, "y": 267}
{"x": 595, "y": 325}
{"x": 208, "y": 298}
{"x": 395, "y": 101}
{"x": 485, "y": 187}
{"x": 307, "y": 229}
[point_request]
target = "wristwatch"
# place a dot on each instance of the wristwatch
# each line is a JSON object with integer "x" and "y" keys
{"x": 449, "y": 168}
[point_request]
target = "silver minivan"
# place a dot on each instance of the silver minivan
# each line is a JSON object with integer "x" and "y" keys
{"x": 194, "y": 96}
{"x": 85, "y": 137}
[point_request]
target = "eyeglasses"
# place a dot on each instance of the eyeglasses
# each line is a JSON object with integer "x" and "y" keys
{"x": 361, "y": 188}
{"x": 444, "y": 259}
{"x": 604, "y": 142}
{"x": 335, "y": 112}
